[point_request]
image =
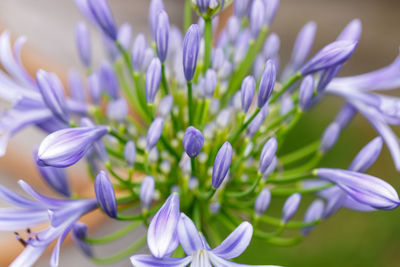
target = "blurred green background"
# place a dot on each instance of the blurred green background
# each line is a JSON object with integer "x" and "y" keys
{"x": 348, "y": 238}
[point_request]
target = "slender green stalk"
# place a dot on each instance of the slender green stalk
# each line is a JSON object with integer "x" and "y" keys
{"x": 190, "y": 102}
{"x": 247, "y": 192}
{"x": 287, "y": 85}
{"x": 207, "y": 43}
{"x": 114, "y": 236}
{"x": 290, "y": 178}
{"x": 164, "y": 80}
{"x": 187, "y": 19}
{"x": 237, "y": 133}
{"x": 122, "y": 254}
{"x": 300, "y": 153}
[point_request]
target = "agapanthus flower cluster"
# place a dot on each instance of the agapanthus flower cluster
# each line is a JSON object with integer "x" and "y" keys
{"x": 198, "y": 114}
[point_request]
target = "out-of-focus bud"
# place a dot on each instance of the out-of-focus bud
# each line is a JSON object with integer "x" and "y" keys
{"x": 154, "y": 133}
{"x": 162, "y": 35}
{"x": 367, "y": 155}
{"x": 267, "y": 83}
{"x": 313, "y": 213}
{"x": 267, "y": 154}
{"x": 130, "y": 153}
{"x": 105, "y": 194}
{"x": 165, "y": 106}
{"x": 257, "y": 16}
{"x": 193, "y": 141}
{"x": 147, "y": 192}
{"x": 109, "y": 80}
{"x": 221, "y": 164}
{"x": 247, "y": 92}
{"x": 153, "y": 80}
{"x": 138, "y": 52}
{"x": 262, "y": 201}
{"x": 306, "y": 92}
{"x": 290, "y": 207}
{"x": 210, "y": 82}
{"x": 101, "y": 12}
{"x": 117, "y": 110}
{"x": 329, "y": 137}
{"x": 82, "y": 38}
{"x": 191, "y": 45}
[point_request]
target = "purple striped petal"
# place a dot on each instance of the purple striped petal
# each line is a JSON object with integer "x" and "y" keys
{"x": 367, "y": 156}
{"x": 189, "y": 236}
{"x": 150, "y": 261}
{"x": 105, "y": 194}
{"x": 220, "y": 262}
{"x": 162, "y": 232}
{"x": 290, "y": 207}
{"x": 235, "y": 243}
{"x": 55, "y": 255}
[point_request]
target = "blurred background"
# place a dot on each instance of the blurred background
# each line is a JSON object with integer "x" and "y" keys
{"x": 346, "y": 239}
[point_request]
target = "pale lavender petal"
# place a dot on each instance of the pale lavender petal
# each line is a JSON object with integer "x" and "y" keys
{"x": 220, "y": 262}
{"x": 189, "y": 236}
{"x": 54, "y": 259}
{"x": 150, "y": 261}
{"x": 29, "y": 256}
{"x": 236, "y": 243}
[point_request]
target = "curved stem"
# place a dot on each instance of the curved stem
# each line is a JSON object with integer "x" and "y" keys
{"x": 236, "y": 134}
{"x": 207, "y": 43}
{"x": 114, "y": 236}
{"x": 190, "y": 102}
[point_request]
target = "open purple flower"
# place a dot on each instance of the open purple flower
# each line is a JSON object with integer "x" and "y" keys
{"x": 26, "y": 213}
{"x": 198, "y": 252}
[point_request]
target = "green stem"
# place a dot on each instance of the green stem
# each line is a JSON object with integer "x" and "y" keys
{"x": 290, "y": 191}
{"x": 207, "y": 43}
{"x": 250, "y": 190}
{"x": 291, "y": 81}
{"x": 164, "y": 79}
{"x": 113, "y": 236}
{"x": 190, "y": 102}
{"x": 236, "y": 134}
{"x": 187, "y": 19}
{"x": 290, "y": 178}
{"x": 300, "y": 153}
{"x": 119, "y": 137}
{"x": 123, "y": 254}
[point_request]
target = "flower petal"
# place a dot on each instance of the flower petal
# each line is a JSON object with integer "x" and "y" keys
{"x": 54, "y": 259}
{"x": 220, "y": 262}
{"x": 28, "y": 257}
{"x": 150, "y": 261}
{"x": 188, "y": 235}
{"x": 16, "y": 199}
{"x": 50, "y": 202}
{"x": 236, "y": 242}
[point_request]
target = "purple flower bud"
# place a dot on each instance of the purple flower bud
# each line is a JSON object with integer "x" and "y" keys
{"x": 306, "y": 92}
{"x": 191, "y": 45}
{"x": 154, "y": 9}
{"x": 267, "y": 83}
{"x": 255, "y": 125}
{"x": 125, "y": 35}
{"x": 165, "y": 106}
{"x": 241, "y": 7}
{"x": 352, "y": 31}
{"x": 335, "y": 202}
{"x": 193, "y": 141}
{"x": 271, "y": 46}
{"x": 214, "y": 207}
{"x": 79, "y": 233}
{"x": 290, "y": 207}
{"x": 271, "y": 8}
{"x": 111, "y": 48}
{"x": 117, "y": 109}
{"x": 75, "y": 86}
{"x": 286, "y": 104}
{"x": 331, "y": 55}
{"x": 267, "y": 154}
{"x": 162, "y": 34}
{"x": 329, "y": 137}
{"x": 262, "y": 201}
{"x": 257, "y": 16}
{"x": 153, "y": 79}
{"x": 102, "y": 14}
{"x": 345, "y": 115}
{"x": 301, "y": 48}
{"x": 363, "y": 188}
{"x": 130, "y": 153}
{"x": 233, "y": 28}
{"x": 313, "y": 213}
{"x": 210, "y": 82}
{"x": 147, "y": 192}
{"x": 66, "y": 147}
{"x": 138, "y": 52}
{"x": 367, "y": 155}
{"x": 162, "y": 237}
{"x": 202, "y": 5}
{"x": 221, "y": 164}
{"x": 82, "y": 38}
{"x": 154, "y": 133}
{"x": 247, "y": 92}
{"x": 52, "y": 92}
{"x": 327, "y": 76}
{"x": 109, "y": 80}
{"x": 56, "y": 178}
{"x": 95, "y": 88}
{"x": 105, "y": 194}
